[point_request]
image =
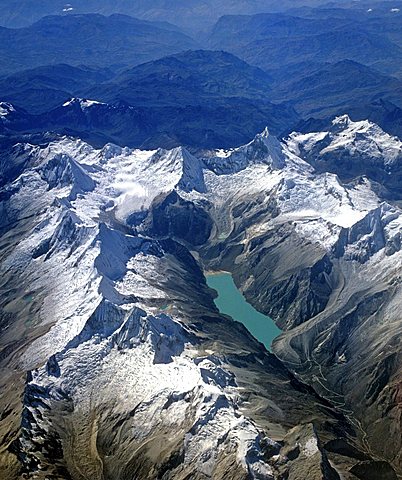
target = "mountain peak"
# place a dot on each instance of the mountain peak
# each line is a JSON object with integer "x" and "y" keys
{"x": 193, "y": 177}
{"x": 268, "y": 143}
{"x": 342, "y": 120}
{"x": 6, "y": 108}
{"x": 82, "y": 103}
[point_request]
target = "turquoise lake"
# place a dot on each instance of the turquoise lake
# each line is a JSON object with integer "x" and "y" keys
{"x": 231, "y": 302}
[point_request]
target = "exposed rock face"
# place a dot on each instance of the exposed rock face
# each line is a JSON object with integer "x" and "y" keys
{"x": 307, "y": 460}
{"x": 127, "y": 368}
{"x": 175, "y": 217}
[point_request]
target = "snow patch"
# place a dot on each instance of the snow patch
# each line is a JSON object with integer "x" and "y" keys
{"x": 6, "y": 109}
{"x": 82, "y": 102}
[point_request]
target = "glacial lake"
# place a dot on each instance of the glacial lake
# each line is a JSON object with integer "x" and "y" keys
{"x": 231, "y": 302}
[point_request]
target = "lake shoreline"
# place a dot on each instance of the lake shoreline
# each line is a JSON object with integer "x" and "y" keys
{"x": 211, "y": 273}
{"x": 230, "y": 301}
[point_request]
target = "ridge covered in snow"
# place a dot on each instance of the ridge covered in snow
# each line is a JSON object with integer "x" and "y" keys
{"x": 362, "y": 141}
{"x": 5, "y": 109}
{"x": 82, "y": 102}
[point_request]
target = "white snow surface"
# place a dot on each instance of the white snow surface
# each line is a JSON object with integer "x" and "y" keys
{"x": 83, "y": 102}
{"x": 117, "y": 182}
{"x": 5, "y": 109}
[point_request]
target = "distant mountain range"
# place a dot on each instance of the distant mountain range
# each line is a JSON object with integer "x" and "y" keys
{"x": 270, "y": 41}
{"x": 187, "y": 78}
{"x": 199, "y": 98}
{"x": 190, "y": 14}
{"x": 46, "y": 87}
{"x": 91, "y": 40}
{"x": 332, "y": 89}
{"x": 282, "y": 69}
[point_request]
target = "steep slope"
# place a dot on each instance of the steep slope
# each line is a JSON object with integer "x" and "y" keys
{"x": 324, "y": 261}
{"x": 352, "y": 149}
{"x": 107, "y": 309}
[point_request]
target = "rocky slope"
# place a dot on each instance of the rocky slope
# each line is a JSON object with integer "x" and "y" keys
{"x": 116, "y": 362}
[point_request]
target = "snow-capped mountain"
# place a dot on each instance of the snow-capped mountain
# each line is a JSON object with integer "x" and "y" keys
{"x": 131, "y": 372}
{"x": 351, "y": 149}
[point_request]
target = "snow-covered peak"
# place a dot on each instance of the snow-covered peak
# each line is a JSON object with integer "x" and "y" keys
{"x": 126, "y": 182}
{"x": 264, "y": 149}
{"x": 5, "y": 110}
{"x": 192, "y": 174}
{"x": 62, "y": 170}
{"x": 380, "y": 230}
{"x": 273, "y": 148}
{"x": 116, "y": 334}
{"x": 342, "y": 121}
{"x": 83, "y": 103}
{"x": 363, "y": 140}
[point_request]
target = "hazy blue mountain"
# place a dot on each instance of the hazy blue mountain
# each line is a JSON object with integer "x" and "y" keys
{"x": 333, "y": 89}
{"x": 199, "y": 98}
{"x": 190, "y": 14}
{"x": 43, "y": 88}
{"x": 199, "y": 126}
{"x": 270, "y": 41}
{"x": 234, "y": 30}
{"x": 92, "y": 40}
{"x": 378, "y": 17}
{"x": 188, "y": 78}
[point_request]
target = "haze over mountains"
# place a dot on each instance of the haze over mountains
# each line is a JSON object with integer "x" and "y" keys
{"x": 199, "y": 98}
{"x": 92, "y": 40}
{"x": 190, "y": 14}
{"x": 311, "y": 62}
{"x": 145, "y": 144}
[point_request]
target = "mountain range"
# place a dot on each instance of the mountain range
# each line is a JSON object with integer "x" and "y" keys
{"x": 310, "y": 62}
{"x": 122, "y": 337}
{"x": 93, "y": 40}
{"x": 199, "y": 98}
{"x": 279, "y": 39}
{"x": 147, "y": 145}
{"x": 190, "y": 14}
